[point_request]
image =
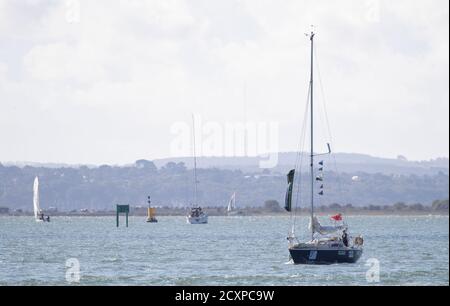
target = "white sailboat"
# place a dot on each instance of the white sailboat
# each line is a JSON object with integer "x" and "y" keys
{"x": 231, "y": 208}
{"x": 196, "y": 214}
{"x": 38, "y": 214}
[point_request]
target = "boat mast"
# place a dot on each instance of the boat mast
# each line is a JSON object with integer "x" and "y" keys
{"x": 312, "y": 136}
{"x": 195, "y": 161}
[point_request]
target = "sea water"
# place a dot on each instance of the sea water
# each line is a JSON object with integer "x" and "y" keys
{"x": 398, "y": 250}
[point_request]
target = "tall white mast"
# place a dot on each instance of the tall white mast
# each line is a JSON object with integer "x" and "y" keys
{"x": 195, "y": 161}
{"x": 245, "y": 120}
{"x": 312, "y": 133}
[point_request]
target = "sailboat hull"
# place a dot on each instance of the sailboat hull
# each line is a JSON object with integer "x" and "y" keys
{"x": 314, "y": 256}
{"x": 197, "y": 220}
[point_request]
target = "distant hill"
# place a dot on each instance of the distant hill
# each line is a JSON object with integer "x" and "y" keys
{"x": 170, "y": 183}
{"x": 340, "y": 162}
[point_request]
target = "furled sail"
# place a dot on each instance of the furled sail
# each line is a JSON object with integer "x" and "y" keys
{"x": 288, "y": 199}
{"x": 324, "y": 230}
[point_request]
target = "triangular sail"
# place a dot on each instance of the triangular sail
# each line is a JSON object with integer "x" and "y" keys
{"x": 232, "y": 203}
{"x": 36, "y": 207}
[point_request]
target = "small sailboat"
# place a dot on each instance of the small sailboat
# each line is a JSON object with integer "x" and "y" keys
{"x": 151, "y": 213}
{"x": 196, "y": 214}
{"x": 328, "y": 244}
{"x": 231, "y": 208}
{"x": 38, "y": 213}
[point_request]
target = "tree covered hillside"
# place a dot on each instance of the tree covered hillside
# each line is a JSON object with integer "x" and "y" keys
{"x": 100, "y": 188}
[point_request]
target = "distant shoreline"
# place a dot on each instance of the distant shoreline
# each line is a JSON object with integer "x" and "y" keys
{"x": 270, "y": 208}
{"x": 243, "y": 214}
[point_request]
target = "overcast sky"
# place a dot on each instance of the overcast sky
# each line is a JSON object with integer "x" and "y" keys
{"x": 107, "y": 82}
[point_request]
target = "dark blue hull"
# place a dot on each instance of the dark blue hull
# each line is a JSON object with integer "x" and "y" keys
{"x": 324, "y": 257}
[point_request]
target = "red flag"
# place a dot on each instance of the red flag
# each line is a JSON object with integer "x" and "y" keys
{"x": 337, "y": 217}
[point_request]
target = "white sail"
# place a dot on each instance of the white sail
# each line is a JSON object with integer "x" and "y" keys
{"x": 232, "y": 203}
{"x": 36, "y": 207}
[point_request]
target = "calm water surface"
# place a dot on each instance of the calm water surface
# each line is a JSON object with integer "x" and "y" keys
{"x": 227, "y": 251}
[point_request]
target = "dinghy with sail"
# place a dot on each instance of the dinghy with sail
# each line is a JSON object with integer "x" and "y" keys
{"x": 38, "y": 213}
{"x": 231, "y": 208}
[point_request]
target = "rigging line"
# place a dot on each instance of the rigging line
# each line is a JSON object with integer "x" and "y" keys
{"x": 300, "y": 156}
{"x": 302, "y": 137}
{"x": 301, "y": 140}
{"x": 327, "y": 120}
{"x": 298, "y": 181}
{"x": 195, "y": 160}
{"x": 323, "y": 96}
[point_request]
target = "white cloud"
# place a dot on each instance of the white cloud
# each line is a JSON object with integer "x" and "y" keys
{"x": 108, "y": 88}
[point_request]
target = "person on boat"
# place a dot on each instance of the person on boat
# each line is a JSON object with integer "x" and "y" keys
{"x": 345, "y": 238}
{"x": 41, "y": 216}
{"x": 47, "y": 218}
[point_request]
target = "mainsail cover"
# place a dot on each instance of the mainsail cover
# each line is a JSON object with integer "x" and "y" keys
{"x": 324, "y": 230}
{"x": 36, "y": 208}
{"x": 288, "y": 199}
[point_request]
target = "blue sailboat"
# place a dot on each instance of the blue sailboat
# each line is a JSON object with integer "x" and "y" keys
{"x": 328, "y": 244}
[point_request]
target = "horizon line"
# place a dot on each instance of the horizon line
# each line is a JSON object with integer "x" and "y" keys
{"x": 31, "y": 163}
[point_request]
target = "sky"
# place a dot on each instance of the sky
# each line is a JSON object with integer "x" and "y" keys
{"x": 109, "y": 82}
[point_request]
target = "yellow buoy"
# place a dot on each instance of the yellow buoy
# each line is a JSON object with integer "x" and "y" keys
{"x": 151, "y": 213}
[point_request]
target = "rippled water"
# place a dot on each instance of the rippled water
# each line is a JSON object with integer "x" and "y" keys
{"x": 227, "y": 251}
